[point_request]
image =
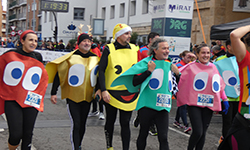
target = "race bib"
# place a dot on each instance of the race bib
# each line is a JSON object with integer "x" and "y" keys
{"x": 205, "y": 100}
{"x": 33, "y": 99}
{"x": 163, "y": 100}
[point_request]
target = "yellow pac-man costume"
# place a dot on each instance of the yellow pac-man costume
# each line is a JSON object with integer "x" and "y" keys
{"x": 77, "y": 76}
{"x": 118, "y": 62}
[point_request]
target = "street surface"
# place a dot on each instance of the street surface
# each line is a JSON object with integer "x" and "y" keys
{"x": 52, "y": 131}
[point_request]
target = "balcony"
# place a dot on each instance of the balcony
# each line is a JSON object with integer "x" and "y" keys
{"x": 14, "y": 3}
{"x": 22, "y": 16}
{"x": 11, "y": 17}
{"x": 22, "y": 2}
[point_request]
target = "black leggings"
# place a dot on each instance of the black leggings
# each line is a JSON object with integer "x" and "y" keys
{"x": 125, "y": 116}
{"x": 200, "y": 119}
{"x": 21, "y": 123}
{"x": 146, "y": 115}
{"x": 78, "y": 113}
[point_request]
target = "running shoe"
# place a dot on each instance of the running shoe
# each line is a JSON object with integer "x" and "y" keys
{"x": 152, "y": 130}
{"x": 221, "y": 139}
{"x": 93, "y": 114}
{"x": 187, "y": 129}
{"x": 110, "y": 148}
{"x": 101, "y": 116}
{"x": 136, "y": 121}
{"x": 177, "y": 125}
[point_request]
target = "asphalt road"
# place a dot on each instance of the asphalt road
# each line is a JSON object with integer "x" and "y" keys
{"x": 52, "y": 131}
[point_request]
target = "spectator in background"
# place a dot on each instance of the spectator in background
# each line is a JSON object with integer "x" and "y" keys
{"x": 217, "y": 51}
{"x": 218, "y": 42}
{"x": 10, "y": 44}
{"x": 61, "y": 45}
{"x": 50, "y": 45}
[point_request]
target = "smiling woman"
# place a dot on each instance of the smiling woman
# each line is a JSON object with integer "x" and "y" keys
{"x": 23, "y": 82}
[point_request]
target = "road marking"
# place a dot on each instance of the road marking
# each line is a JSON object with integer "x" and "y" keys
{"x": 187, "y": 135}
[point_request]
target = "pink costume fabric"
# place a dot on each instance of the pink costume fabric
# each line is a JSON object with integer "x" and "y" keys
{"x": 201, "y": 85}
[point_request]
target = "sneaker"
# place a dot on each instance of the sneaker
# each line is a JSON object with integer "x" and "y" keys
{"x": 221, "y": 139}
{"x": 93, "y": 114}
{"x": 152, "y": 130}
{"x": 110, "y": 148}
{"x": 187, "y": 129}
{"x": 136, "y": 122}
{"x": 177, "y": 125}
{"x": 101, "y": 116}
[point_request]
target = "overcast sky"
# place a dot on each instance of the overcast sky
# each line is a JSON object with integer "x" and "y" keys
{"x": 4, "y": 4}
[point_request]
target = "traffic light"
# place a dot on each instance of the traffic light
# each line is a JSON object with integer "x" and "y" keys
{"x": 55, "y": 34}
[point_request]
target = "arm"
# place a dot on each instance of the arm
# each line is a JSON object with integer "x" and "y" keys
{"x": 54, "y": 89}
{"x": 238, "y": 47}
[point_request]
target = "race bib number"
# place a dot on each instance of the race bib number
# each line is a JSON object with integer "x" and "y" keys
{"x": 33, "y": 99}
{"x": 205, "y": 100}
{"x": 163, "y": 100}
{"x": 237, "y": 89}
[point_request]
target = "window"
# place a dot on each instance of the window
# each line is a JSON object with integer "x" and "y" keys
{"x": 145, "y": 6}
{"x": 133, "y": 8}
{"x": 103, "y": 12}
{"x": 122, "y": 9}
{"x": 28, "y": 8}
{"x": 50, "y": 16}
{"x": 79, "y": 13}
{"x": 45, "y": 16}
{"x": 112, "y": 12}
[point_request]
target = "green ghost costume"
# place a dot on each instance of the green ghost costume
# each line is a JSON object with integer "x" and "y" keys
{"x": 155, "y": 91}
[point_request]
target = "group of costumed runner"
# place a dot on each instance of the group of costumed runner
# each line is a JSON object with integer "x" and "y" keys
{"x": 124, "y": 85}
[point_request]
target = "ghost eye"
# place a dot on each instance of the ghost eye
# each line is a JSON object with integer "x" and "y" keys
{"x": 93, "y": 76}
{"x": 76, "y": 75}
{"x": 170, "y": 83}
{"x": 229, "y": 78}
{"x": 200, "y": 81}
{"x": 216, "y": 83}
{"x": 156, "y": 79}
{"x": 13, "y": 73}
{"x": 32, "y": 78}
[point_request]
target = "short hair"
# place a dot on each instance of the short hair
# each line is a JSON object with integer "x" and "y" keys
{"x": 213, "y": 43}
{"x": 61, "y": 40}
{"x": 216, "y": 48}
{"x": 201, "y": 46}
{"x": 184, "y": 53}
{"x": 228, "y": 42}
{"x": 152, "y": 35}
{"x": 155, "y": 45}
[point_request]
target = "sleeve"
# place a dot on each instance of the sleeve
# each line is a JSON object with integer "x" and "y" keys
{"x": 102, "y": 67}
{"x": 55, "y": 85}
{"x": 138, "y": 79}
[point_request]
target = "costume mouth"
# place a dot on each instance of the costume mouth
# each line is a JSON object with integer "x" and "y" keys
{"x": 124, "y": 95}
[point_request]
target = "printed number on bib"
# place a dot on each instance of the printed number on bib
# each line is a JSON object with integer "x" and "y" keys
{"x": 33, "y": 99}
{"x": 205, "y": 100}
{"x": 163, "y": 100}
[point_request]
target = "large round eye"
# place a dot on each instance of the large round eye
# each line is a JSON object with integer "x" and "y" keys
{"x": 93, "y": 76}
{"x": 76, "y": 75}
{"x": 13, "y": 73}
{"x": 229, "y": 78}
{"x": 216, "y": 83}
{"x": 200, "y": 81}
{"x": 32, "y": 78}
{"x": 170, "y": 83}
{"x": 156, "y": 79}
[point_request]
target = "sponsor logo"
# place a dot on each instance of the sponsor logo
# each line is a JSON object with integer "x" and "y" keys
{"x": 159, "y": 8}
{"x": 180, "y": 8}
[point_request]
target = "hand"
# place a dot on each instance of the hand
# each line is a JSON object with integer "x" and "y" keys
{"x": 175, "y": 69}
{"x": 53, "y": 99}
{"x": 98, "y": 93}
{"x": 226, "y": 105}
{"x": 151, "y": 66}
{"x": 106, "y": 96}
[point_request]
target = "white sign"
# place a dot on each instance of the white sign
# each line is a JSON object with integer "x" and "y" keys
{"x": 13, "y": 27}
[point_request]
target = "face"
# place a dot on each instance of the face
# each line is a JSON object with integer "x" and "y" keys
{"x": 124, "y": 38}
{"x": 30, "y": 43}
{"x": 85, "y": 45}
{"x": 204, "y": 55}
{"x": 186, "y": 58}
{"x": 162, "y": 52}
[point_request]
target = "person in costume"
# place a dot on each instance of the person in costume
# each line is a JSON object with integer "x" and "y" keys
{"x": 238, "y": 136}
{"x": 200, "y": 88}
{"x": 143, "y": 53}
{"x": 181, "y": 112}
{"x": 228, "y": 69}
{"x": 76, "y": 73}
{"x": 117, "y": 57}
{"x": 153, "y": 77}
{"x": 23, "y": 82}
